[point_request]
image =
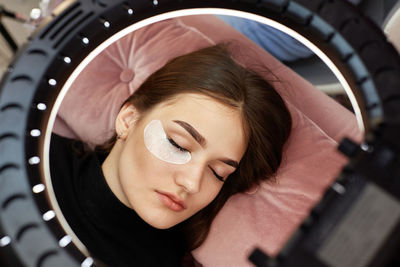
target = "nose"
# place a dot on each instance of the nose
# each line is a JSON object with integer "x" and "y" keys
{"x": 190, "y": 178}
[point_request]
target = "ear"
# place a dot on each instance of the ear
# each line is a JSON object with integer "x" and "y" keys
{"x": 125, "y": 121}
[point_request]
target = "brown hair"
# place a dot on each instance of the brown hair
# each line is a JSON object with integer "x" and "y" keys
{"x": 266, "y": 120}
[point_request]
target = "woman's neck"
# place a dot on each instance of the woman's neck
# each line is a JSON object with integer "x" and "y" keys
{"x": 110, "y": 170}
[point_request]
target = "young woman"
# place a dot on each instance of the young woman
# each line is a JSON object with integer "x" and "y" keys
{"x": 197, "y": 131}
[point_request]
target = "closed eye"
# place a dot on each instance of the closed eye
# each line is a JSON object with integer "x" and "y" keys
{"x": 172, "y": 142}
{"x": 218, "y": 176}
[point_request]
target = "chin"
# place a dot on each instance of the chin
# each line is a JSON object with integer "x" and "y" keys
{"x": 159, "y": 222}
{"x": 162, "y": 226}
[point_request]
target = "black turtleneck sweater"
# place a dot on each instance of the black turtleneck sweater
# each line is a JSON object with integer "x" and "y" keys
{"x": 112, "y": 232}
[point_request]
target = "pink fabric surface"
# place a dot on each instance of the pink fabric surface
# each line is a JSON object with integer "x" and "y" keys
{"x": 92, "y": 103}
{"x": 266, "y": 218}
{"x": 332, "y": 118}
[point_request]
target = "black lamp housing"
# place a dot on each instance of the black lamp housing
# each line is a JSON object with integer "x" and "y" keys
{"x": 356, "y": 46}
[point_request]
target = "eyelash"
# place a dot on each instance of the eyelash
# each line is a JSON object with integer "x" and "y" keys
{"x": 218, "y": 177}
{"x": 172, "y": 142}
{"x": 176, "y": 145}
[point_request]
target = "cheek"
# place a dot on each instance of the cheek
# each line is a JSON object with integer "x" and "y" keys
{"x": 138, "y": 166}
{"x": 209, "y": 192}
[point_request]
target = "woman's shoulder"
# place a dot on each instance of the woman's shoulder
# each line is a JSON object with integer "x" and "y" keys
{"x": 65, "y": 148}
{"x": 65, "y": 153}
{"x": 61, "y": 142}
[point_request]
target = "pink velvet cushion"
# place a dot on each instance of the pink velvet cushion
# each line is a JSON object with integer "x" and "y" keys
{"x": 266, "y": 218}
{"x": 89, "y": 109}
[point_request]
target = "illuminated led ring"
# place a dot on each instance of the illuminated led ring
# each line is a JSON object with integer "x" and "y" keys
{"x": 355, "y": 49}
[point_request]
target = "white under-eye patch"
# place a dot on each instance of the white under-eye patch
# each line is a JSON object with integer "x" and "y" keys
{"x": 156, "y": 141}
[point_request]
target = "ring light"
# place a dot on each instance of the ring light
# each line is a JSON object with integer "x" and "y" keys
{"x": 367, "y": 66}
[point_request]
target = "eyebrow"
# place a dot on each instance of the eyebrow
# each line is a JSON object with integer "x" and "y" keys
{"x": 193, "y": 132}
{"x": 202, "y": 141}
{"x": 231, "y": 162}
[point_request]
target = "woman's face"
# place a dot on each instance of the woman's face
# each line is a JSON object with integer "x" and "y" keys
{"x": 171, "y": 162}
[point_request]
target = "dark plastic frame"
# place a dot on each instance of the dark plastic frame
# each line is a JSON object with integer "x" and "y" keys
{"x": 357, "y": 47}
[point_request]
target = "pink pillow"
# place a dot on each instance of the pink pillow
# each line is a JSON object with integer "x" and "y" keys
{"x": 266, "y": 218}
{"x": 332, "y": 118}
{"x": 91, "y": 105}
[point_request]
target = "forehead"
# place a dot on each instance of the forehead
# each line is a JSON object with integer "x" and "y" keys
{"x": 220, "y": 124}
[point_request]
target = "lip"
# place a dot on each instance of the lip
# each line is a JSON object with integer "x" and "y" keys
{"x": 171, "y": 201}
